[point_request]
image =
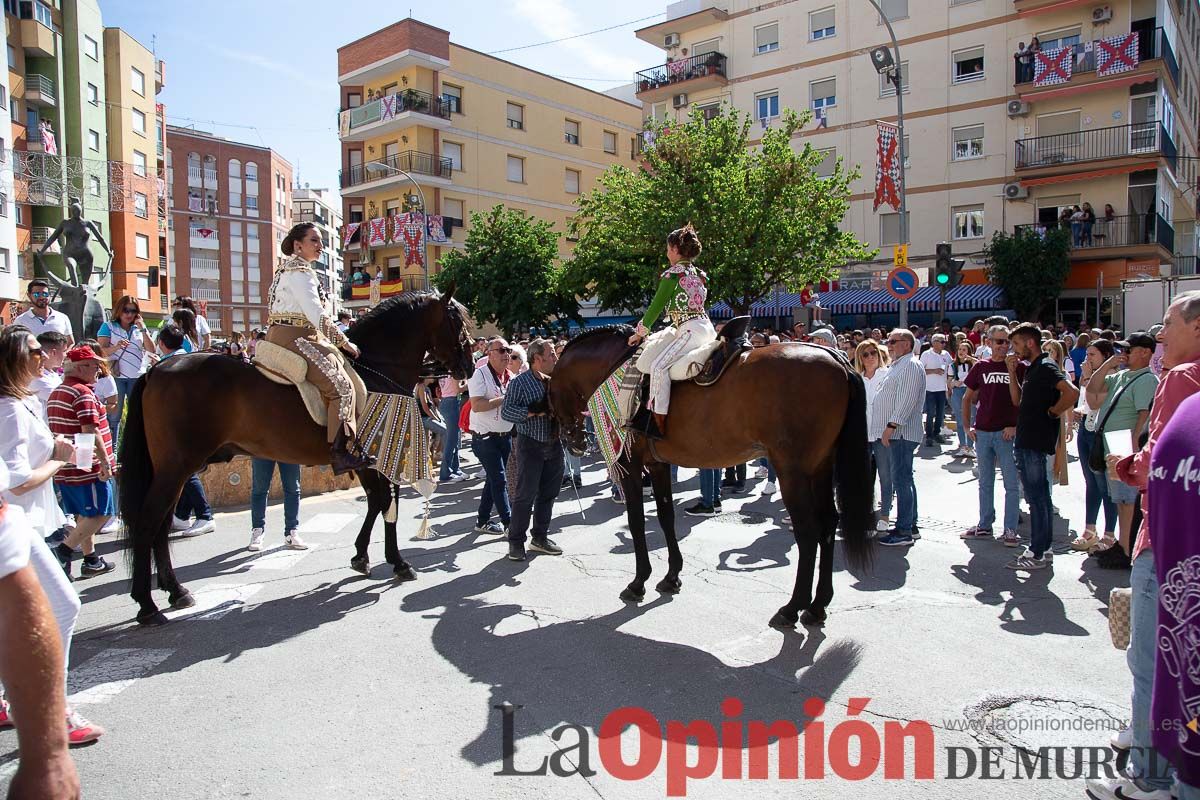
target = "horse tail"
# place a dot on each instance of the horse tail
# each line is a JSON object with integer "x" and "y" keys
{"x": 852, "y": 475}
{"x": 137, "y": 470}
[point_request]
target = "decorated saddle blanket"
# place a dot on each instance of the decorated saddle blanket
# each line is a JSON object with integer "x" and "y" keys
{"x": 283, "y": 366}
{"x": 612, "y": 405}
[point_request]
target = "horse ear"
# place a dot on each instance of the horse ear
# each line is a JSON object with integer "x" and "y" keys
{"x": 448, "y": 293}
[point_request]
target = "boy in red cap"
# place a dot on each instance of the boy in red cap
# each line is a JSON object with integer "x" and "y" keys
{"x": 87, "y": 493}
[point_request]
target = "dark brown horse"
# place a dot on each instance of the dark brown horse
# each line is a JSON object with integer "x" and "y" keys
{"x": 206, "y": 408}
{"x": 801, "y": 406}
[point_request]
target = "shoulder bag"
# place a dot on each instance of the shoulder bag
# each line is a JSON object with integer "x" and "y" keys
{"x": 1096, "y": 457}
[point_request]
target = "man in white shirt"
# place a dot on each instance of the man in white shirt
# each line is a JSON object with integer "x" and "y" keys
{"x": 936, "y": 362}
{"x": 54, "y": 350}
{"x": 491, "y": 435}
{"x": 41, "y": 317}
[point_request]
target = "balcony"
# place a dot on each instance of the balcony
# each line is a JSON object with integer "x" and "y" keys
{"x": 705, "y": 71}
{"x": 39, "y": 90}
{"x": 1131, "y": 236}
{"x": 393, "y": 113}
{"x": 1152, "y": 47}
{"x": 37, "y": 29}
{"x": 199, "y": 239}
{"x": 205, "y": 269}
{"x": 683, "y": 17}
{"x": 1057, "y": 154}
{"x": 378, "y": 174}
{"x": 195, "y": 177}
{"x": 38, "y": 235}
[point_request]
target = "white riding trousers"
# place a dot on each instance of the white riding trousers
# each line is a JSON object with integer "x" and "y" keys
{"x": 666, "y": 347}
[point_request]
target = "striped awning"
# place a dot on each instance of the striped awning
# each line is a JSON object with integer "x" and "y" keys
{"x": 975, "y": 297}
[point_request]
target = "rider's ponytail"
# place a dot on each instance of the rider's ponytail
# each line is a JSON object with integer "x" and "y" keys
{"x": 685, "y": 241}
{"x": 298, "y": 232}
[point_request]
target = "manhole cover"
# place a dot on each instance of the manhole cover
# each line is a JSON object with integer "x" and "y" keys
{"x": 1032, "y": 722}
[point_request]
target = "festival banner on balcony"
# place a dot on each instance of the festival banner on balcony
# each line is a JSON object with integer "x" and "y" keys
{"x": 377, "y": 232}
{"x": 437, "y": 229}
{"x": 1052, "y": 67}
{"x": 1116, "y": 54}
{"x": 348, "y": 231}
{"x": 344, "y": 124}
{"x": 387, "y": 106}
{"x": 413, "y": 233}
{"x": 887, "y": 166}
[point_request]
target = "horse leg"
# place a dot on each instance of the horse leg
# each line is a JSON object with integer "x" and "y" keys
{"x": 636, "y": 514}
{"x": 150, "y": 538}
{"x": 828, "y": 516}
{"x": 148, "y": 613}
{"x": 660, "y": 477}
{"x": 360, "y": 562}
{"x": 798, "y": 496}
{"x": 178, "y": 596}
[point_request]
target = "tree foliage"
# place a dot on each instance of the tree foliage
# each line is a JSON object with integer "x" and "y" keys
{"x": 1030, "y": 267}
{"x": 508, "y": 273}
{"x": 765, "y": 218}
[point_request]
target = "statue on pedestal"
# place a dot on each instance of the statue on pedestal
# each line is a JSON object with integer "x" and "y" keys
{"x": 77, "y": 294}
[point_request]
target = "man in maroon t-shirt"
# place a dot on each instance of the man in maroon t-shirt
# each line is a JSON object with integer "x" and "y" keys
{"x": 988, "y": 383}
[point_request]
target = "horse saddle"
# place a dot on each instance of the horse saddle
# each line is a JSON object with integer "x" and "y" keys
{"x": 283, "y": 366}
{"x": 706, "y": 365}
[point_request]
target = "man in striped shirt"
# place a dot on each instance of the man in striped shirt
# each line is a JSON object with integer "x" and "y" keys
{"x": 87, "y": 493}
{"x": 897, "y": 412}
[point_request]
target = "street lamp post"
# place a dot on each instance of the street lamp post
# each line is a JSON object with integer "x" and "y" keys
{"x": 379, "y": 166}
{"x": 890, "y": 63}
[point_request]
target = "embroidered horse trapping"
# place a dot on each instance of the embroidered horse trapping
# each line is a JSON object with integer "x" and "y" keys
{"x": 611, "y": 407}
{"x": 391, "y": 431}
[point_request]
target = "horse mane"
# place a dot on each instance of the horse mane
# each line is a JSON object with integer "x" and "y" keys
{"x": 591, "y": 333}
{"x": 403, "y": 305}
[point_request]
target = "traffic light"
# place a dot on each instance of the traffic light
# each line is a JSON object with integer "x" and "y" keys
{"x": 956, "y": 276}
{"x": 943, "y": 269}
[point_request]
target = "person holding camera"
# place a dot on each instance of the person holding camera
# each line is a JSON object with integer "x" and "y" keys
{"x": 124, "y": 342}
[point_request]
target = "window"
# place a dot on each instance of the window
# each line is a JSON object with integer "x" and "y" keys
{"x": 391, "y": 208}
{"x": 709, "y": 46}
{"x": 235, "y": 170}
{"x": 452, "y": 98}
{"x": 395, "y": 264}
{"x": 571, "y": 131}
{"x": 94, "y": 140}
{"x": 516, "y": 169}
{"x": 356, "y": 214}
{"x": 516, "y": 116}
{"x": 895, "y": 9}
{"x": 766, "y": 106}
{"x": 572, "y": 181}
{"x": 610, "y": 142}
{"x": 252, "y": 236}
{"x": 889, "y": 228}
{"x": 3, "y": 205}
{"x": 452, "y": 209}
{"x": 887, "y": 88}
{"x": 1067, "y": 37}
{"x": 251, "y": 172}
{"x": 12, "y": 58}
{"x": 139, "y": 163}
{"x": 453, "y": 151}
{"x": 140, "y": 207}
{"x": 5, "y": 264}
{"x": 824, "y": 93}
{"x": 353, "y": 100}
{"x": 968, "y": 222}
{"x": 252, "y": 204}
{"x": 13, "y": 113}
{"x": 821, "y": 24}
{"x": 42, "y": 13}
{"x": 141, "y": 246}
{"x": 766, "y": 38}
{"x": 968, "y": 65}
{"x": 91, "y": 47}
{"x": 93, "y": 94}
{"x": 139, "y": 121}
{"x": 967, "y": 142}
{"x": 143, "y": 287}
{"x": 93, "y": 186}
{"x": 138, "y": 80}
{"x": 828, "y": 162}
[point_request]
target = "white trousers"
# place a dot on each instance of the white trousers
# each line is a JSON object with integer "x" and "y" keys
{"x": 665, "y": 348}
{"x": 64, "y": 600}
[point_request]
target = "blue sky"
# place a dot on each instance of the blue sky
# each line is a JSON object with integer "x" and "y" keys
{"x": 265, "y": 71}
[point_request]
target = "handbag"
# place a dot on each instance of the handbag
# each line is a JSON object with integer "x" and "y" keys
{"x": 464, "y": 418}
{"x": 1096, "y": 457}
{"x": 1118, "y": 616}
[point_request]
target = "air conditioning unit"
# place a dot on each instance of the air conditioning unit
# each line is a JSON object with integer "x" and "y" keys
{"x": 679, "y": 100}
{"x": 671, "y": 40}
{"x": 1018, "y": 108}
{"x": 1015, "y": 191}
{"x": 1101, "y": 14}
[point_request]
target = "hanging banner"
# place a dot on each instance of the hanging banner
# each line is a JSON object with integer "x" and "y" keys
{"x": 377, "y": 232}
{"x": 1051, "y": 67}
{"x": 413, "y": 232}
{"x": 348, "y": 231}
{"x": 1116, "y": 54}
{"x": 387, "y": 106}
{"x": 887, "y": 166}
{"x": 437, "y": 230}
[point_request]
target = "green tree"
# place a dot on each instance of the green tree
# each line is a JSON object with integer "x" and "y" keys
{"x": 508, "y": 273}
{"x": 765, "y": 218}
{"x": 1030, "y": 267}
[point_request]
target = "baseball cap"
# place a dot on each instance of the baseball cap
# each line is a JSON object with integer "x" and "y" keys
{"x": 825, "y": 335}
{"x": 1137, "y": 339}
{"x": 82, "y": 353}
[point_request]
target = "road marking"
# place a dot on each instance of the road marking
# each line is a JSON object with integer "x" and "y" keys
{"x": 107, "y": 674}
{"x": 280, "y": 559}
{"x": 215, "y": 601}
{"x": 327, "y": 523}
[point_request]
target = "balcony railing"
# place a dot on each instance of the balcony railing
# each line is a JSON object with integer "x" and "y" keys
{"x": 1151, "y": 44}
{"x": 399, "y": 103}
{"x": 1140, "y": 138}
{"x": 409, "y": 161}
{"x": 680, "y": 70}
{"x": 1184, "y": 265}
{"x": 1125, "y": 231}
{"x": 39, "y": 85}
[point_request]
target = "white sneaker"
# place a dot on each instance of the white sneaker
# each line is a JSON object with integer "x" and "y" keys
{"x": 256, "y": 540}
{"x": 1122, "y": 739}
{"x": 882, "y": 525}
{"x": 1122, "y": 788}
{"x": 178, "y": 524}
{"x": 769, "y": 487}
{"x": 456, "y": 477}
{"x": 199, "y": 528}
{"x": 761, "y": 472}
{"x": 112, "y": 526}
{"x": 293, "y": 541}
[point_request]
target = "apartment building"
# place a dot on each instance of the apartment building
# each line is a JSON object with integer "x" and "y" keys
{"x": 12, "y": 288}
{"x": 1113, "y": 121}
{"x": 429, "y": 124}
{"x": 322, "y": 208}
{"x": 231, "y": 205}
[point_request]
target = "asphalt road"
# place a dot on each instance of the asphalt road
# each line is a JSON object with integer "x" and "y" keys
{"x": 295, "y": 677}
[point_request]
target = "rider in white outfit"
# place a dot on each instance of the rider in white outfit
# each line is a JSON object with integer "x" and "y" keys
{"x": 682, "y": 292}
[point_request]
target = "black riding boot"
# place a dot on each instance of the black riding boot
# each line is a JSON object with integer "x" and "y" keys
{"x": 643, "y": 422}
{"x": 344, "y": 459}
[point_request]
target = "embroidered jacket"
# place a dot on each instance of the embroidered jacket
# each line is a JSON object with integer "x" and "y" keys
{"x": 682, "y": 291}
{"x": 295, "y": 299}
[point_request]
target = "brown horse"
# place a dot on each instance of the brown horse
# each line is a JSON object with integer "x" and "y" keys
{"x": 802, "y": 406}
{"x": 206, "y": 408}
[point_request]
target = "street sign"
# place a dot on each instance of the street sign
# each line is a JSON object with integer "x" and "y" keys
{"x": 900, "y": 256}
{"x": 902, "y": 283}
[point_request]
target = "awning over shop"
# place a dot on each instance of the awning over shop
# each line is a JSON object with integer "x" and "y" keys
{"x": 974, "y": 297}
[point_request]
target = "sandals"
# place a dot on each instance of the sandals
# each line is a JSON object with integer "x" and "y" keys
{"x": 1086, "y": 541}
{"x": 1106, "y": 542}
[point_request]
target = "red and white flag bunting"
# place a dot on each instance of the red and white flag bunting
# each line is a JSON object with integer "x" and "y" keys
{"x": 887, "y": 166}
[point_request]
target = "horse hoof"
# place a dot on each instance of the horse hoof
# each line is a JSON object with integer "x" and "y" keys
{"x": 813, "y": 618}
{"x": 630, "y": 596}
{"x": 184, "y": 600}
{"x": 783, "y": 620}
{"x": 151, "y": 618}
{"x": 669, "y": 586}
{"x": 403, "y": 574}
{"x": 360, "y": 564}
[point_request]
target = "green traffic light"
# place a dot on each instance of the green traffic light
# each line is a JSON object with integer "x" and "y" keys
{"x": 943, "y": 278}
